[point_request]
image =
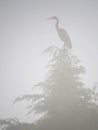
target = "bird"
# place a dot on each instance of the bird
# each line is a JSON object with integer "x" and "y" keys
{"x": 63, "y": 35}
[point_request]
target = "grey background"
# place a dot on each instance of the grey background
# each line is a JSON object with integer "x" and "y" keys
{"x": 25, "y": 32}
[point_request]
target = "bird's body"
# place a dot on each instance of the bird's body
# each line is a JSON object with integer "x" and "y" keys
{"x": 63, "y": 35}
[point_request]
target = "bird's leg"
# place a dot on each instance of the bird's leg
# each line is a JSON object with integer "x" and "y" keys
{"x": 65, "y": 48}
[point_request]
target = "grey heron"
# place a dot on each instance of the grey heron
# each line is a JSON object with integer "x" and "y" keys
{"x": 63, "y": 35}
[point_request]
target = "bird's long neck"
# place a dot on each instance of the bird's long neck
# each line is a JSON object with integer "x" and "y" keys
{"x": 57, "y": 24}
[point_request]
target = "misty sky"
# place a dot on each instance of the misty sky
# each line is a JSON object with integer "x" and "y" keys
{"x": 25, "y": 32}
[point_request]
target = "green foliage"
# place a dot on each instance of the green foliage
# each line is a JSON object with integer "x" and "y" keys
{"x": 65, "y": 101}
{"x": 4, "y": 123}
{"x": 67, "y": 104}
{"x": 15, "y": 124}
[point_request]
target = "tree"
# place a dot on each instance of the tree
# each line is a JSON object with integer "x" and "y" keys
{"x": 15, "y": 124}
{"x": 65, "y": 102}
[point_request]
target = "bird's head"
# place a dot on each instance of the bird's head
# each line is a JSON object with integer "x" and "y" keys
{"x": 54, "y": 18}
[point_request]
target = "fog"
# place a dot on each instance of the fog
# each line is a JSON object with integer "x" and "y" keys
{"x": 25, "y": 32}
